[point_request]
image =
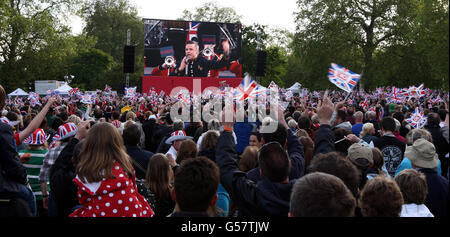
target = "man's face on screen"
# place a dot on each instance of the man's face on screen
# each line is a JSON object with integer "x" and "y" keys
{"x": 191, "y": 51}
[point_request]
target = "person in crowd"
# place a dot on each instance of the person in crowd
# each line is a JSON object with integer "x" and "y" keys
{"x": 163, "y": 146}
{"x": 378, "y": 165}
{"x": 255, "y": 139}
{"x": 321, "y": 195}
{"x": 176, "y": 138}
{"x": 424, "y": 158}
{"x": 105, "y": 177}
{"x": 32, "y": 158}
{"x": 396, "y": 133}
{"x": 367, "y": 133}
{"x": 362, "y": 157}
{"x": 304, "y": 122}
{"x": 139, "y": 157}
{"x": 414, "y": 188}
{"x": 393, "y": 149}
{"x": 187, "y": 150}
{"x": 381, "y": 197}
{"x": 358, "y": 126}
{"x": 411, "y": 137}
{"x": 195, "y": 188}
{"x": 159, "y": 180}
{"x": 341, "y": 122}
{"x": 442, "y": 146}
{"x": 65, "y": 133}
{"x": 249, "y": 159}
{"x": 11, "y": 167}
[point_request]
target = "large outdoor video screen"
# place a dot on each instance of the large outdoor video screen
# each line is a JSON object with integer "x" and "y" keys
{"x": 165, "y": 38}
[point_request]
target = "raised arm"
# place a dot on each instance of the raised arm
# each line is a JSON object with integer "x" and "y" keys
{"x": 36, "y": 122}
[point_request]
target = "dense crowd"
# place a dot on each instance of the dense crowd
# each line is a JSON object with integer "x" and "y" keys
{"x": 332, "y": 154}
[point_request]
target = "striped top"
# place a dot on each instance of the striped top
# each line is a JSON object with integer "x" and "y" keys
{"x": 33, "y": 168}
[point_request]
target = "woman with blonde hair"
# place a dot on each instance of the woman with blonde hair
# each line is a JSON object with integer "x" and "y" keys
{"x": 367, "y": 132}
{"x": 159, "y": 180}
{"x": 249, "y": 158}
{"x": 105, "y": 177}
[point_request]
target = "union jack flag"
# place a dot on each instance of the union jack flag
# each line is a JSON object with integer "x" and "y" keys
{"x": 417, "y": 119}
{"x": 74, "y": 91}
{"x": 107, "y": 88}
{"x": 342, "y": 77}
{"x": 183, "y": 96}
{"x": 193, "y": 27}
{"x": 288, "y": 94}
{"x": 38, "y": 137}
{"x": 398, "y": 95}
{"x": 248, "y": 88}
{"x": 130, "y": 91}
{"x": 88, "y": 99}
{"x": 416, "y": 91}
{"x": 272, "y": 85}
{"x": 436, "y": 100}
{"x": 364, "y": 104}
{"x": 34, "y": 99}
{"x": 52, "y": 92}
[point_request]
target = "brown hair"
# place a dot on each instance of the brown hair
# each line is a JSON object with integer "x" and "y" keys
{"x": 159, "y": 175}
{"x": 378, "y": 158}
{"x": 2, "y": 97}
{"x": 103, "y": 146}
{"x": 249, "y": 158}
{"x": 413, "y": 186}
{"x": 381, "y": 197}
{"x": 209, "y": 141}
{"x": 188, "y": 149}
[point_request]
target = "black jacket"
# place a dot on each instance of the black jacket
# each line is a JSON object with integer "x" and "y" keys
{"x": 140, "y": 156}
{"x": 438, "y": 197}
{"x": 296, "y": 154}
{"x": 263, "y": 198}
{"x": 63, "y": 188}
{"x": 149, "y": 127}
{"x": 10, "y": 165}
{"x": 393, "y": 151}
{"x": 324, "y": 140}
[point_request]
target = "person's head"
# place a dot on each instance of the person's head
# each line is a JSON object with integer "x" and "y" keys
{"x": 367, "y": 129}
{"x": 398, "y": 125}
{"x": 336, "y": 164}
{"x": 280, "y": 135}
{"x": 178, "y": 125}
{"x": 130, "y": 116}
{"x": 378, "y": 158}
{"x": 381, "y": 197}
{"x": 63, "y": 115}
{"x": 176, "y": 138}
{"x": 102, "y": 147}
{"x": 304, "y": 123}
{"x": 116, "y": 115}
{"x": 340, "y": 117}
{"x": 214, "y": 124}
{"x": 292, "y": 124}
{"x": 296, "y": 115}
{"x": 360, "y": 155}
{"x": 255, "y": 139}
{"x": 315, "y": 119}
{"x": 187, "y": 150}
{"x": 191, "y": 50}
{"x": 321, "y": 195}
{"x": 2, "y": 97}
{"x": 433, "y": 119}
{"x": 413, "y": 186}
{"x": 418, "y": 133}
{"x": 74, "y": 119}
{"x": 131, "y": 135}
{"x": 399, "y": 116}
{"x": 98, "y": 113}
{"x": 388, "y": 124}
{"x": 422, "y": 154}
{"x": 159, "y": 175}
{"x": 196, "y": 184}
{"x": 209, "y": 141}
{"x": 359, "y": 116}
{"x": 371, "y": 115}
{"x": 442, "y": 113}
{"x": 249, "y": 158}
{"x": 274, "y": 162}
{"x": 301, "y": 133}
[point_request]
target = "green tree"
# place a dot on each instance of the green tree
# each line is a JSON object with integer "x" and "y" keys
{"x": 361, "y": 26}
{"x": 89, "y": 67}
{"x": 108, "y": 21}
{"x": 211, "y": 12}
{"x": 26, "y": 27}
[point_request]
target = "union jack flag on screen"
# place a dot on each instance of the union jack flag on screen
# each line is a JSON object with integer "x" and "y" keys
{"x": 342, "y": 77}
{"x": 248, "y": 88}
{"x": 193, "y": 27}
{"x": 417, "y": 119}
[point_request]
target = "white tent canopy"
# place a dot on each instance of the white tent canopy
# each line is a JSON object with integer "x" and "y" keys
{"x": 295, "y": 88}
{"x": 18, "y": 92}
{"x": 64, "y": 89}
